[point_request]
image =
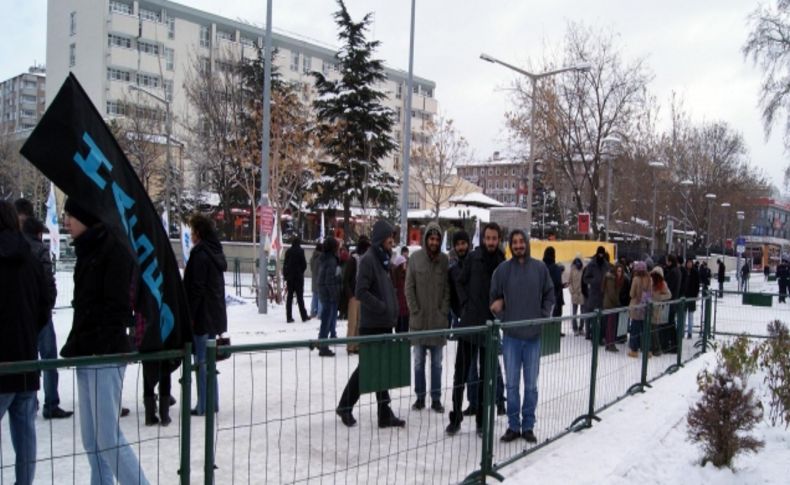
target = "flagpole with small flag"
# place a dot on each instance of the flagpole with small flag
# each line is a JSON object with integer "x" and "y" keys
{"x": 52, "y": 223}
{"x": 444, "y": 243}
{"x": 476, "y": 238}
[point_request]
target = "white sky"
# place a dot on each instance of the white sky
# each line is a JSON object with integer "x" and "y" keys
{"x": 693, "y": 48}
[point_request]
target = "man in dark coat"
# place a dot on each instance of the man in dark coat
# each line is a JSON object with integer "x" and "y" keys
{"x": 204, "y": 282}
{"x": 294, "y": 267}
{"x": 592, "y": 283}
{"x": 690, "y": 291}
{"x": 102, "y": 313}
{"x": 33, "y": 229}
{"x": 674, "y": 281}
{"x": 720, "y": 277}
{"x": 24, "y": 311}
{"x": 378, "y": 314}
{"x": 783, "y": 278}
{"x": 474, "y": 285}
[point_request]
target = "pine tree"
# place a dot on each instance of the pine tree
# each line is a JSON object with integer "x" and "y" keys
{"x": 353, "y": 124}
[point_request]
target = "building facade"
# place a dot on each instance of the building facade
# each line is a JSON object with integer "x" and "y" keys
{"x": 154, "y": 44}
{"x": 502, "y": 179}
{"x": 22, "y": 101}
{"x": 771, "y": 217}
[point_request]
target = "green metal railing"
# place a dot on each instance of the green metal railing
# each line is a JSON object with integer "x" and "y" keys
{"x": 279, "y": 398}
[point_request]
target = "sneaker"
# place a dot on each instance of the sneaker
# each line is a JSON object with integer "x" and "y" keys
{"x": 391, "y": 421}
{"x": 688, "y": 336}
{"x": 194, "y": 412}
{"x": 125, "y": 412}
{"x": 437, "y": 406}
{"x": 418, "y": 405}
{"x": 470, "y": 411}
{"x": 56, "y": 413}
{"x": 509, "y": 436}
{"x": 611, "y": 348}
{"x": 325, "y": 352}
{"x": 633, "y": 353}
{"x": 529, "y": 436}
{"x": 500, "y": 409}
{"x": 290, "y": 320}
{"x": 346, "y": 417}
{"x": 452, "y": 428}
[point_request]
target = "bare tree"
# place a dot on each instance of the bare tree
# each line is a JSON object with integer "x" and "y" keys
{"x": 575, "y": 112}
{"x": 18, "y": 177}
{"x": 435, "y": 162}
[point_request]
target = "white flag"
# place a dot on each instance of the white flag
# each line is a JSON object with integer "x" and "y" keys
{"x": 52, "y": 223}
{"x": 276, "y": 240}
{"x": 444, "y": 243}
{"x": 166, "y": 222}
{"x": 322, "y": 235}
{"x": 476, "y": 238}
{"x": 186, "y": 242}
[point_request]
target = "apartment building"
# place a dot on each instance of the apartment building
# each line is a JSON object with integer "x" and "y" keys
{"x": 22, "y": 99}
{"x": 500, "y": 178}
{"x": 112, "y": 44}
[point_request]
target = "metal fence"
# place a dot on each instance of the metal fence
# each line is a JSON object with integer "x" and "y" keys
{"x": 277, "y": 421}
{"x": 746, "y": 313}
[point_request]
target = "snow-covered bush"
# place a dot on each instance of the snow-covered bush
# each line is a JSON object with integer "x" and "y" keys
{"x": 775, "y": 362}
{"x": 720, "y": 418}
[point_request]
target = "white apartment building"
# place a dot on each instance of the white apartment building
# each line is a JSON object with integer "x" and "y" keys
{"x": 22, "y": 101}
{"x": 110, "y": 44}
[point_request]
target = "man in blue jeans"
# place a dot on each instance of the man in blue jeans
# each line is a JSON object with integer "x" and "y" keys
{"x": 521, "y": 289}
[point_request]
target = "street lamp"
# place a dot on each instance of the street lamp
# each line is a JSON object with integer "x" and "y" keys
{"x": 534, "y": 78}
{"x": 711, "y": 197}
{"x": 168, "y": 136}
{"x": 656, "y": 165}
{"x": 687, "y": 184}
{"x": 725, "y": 206}
{"x": 741, "y": 216}
{"x": 610, "y": 147}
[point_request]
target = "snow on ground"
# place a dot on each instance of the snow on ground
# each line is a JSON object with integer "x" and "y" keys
{"x": 276, "y": 421}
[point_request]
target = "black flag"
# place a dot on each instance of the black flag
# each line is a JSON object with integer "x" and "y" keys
{"x": 74, "y": 148}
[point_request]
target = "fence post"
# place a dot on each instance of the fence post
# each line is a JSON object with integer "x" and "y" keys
{"x": 211, "y": 379}
{"x": 186, "y": 400}
{"x": 647, "y": 334}
{"x": 679, "y": 323}
{"x": 492, "y": 342}
{"x": 237, "y": 276}
{"x": 706, "y": 327}
{"x": 596, "y": 338}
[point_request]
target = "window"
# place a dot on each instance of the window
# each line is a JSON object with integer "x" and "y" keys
{"x": 416, "y": 89}
{"x": 429, "y": 93}
{"x": 151, "y": 15}
{"x": 221, "y": 34}
{"x": 205, "y": 36}
{"x": 414, "y": 200}
{"x": 73, "y": 23}
{"x": 294, "y": 61}
{"x": 168, "y": 86}
{"x": 399, "y": 92}
{"x": 29, "y": 113}
{"x": 169, "y": 59}
{"x": 171, "y": 27}
{"x": 497, "y": 171}
{"x": 148, "y": 47}
{"x": 490, "y": 171}
{"x": 114, "y": 108}
{"x": 27, "y": 98}
{"x": 148, "y": 80}
{"x": 29, "y": 84}
{"x": 325, "y": 68}
{"x": 120, "y": 7}
{"x": 497, "y": 184}
{"x": 247, "y": 41}
{"x": 397, "y": 114}
{"x": 513, "y": 171}
{"x": 118, "y": 75}
{"x": 307, "y": 64}
{"x": 205, "y": 64}
{"x": 490, "y": 185}
{"x": 119, "y": 41}
{"x": 72, "y": 55}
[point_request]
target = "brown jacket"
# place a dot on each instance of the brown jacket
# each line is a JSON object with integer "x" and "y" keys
{"x": 428, "y": 293}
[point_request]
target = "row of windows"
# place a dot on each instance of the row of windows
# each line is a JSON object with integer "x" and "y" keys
{"x": 126, "y": 8}
{"x": 307, "y": 64}
{"x": 142, "y": 79}
{"x": 119, "y": 108}
{"x": 474, "y": 171}
{"x": 416, "y": 89}
{"x": 115, "y": 40}
{"x": 496, "y": 184}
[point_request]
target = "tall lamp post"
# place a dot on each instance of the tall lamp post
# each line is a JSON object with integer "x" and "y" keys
{"x": 610, "y": 148}
{"x": 686, "y": 185}
{"x": 710, "y": 197}
{"x": 534, "y": 78}
{"x": 656, "y": 165}
{"x": 725, "y": 206}
{"x": 168, "y": 137}
{"x": 741, "y": 216}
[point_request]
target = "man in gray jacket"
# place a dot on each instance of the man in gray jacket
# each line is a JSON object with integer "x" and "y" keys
{"x": 428, "y": 298}
{"x": 521, "y": 289}
{"x": 378, "y": 314}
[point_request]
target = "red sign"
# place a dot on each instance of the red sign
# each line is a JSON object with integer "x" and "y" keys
{"x": 267, "y": 219}
{"x": 728, "y": 243}
{"x": 584, "y": 223}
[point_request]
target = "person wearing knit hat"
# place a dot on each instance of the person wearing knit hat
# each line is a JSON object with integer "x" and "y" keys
{"x": 378, "y": 315}
{"x": 77, "y": 211}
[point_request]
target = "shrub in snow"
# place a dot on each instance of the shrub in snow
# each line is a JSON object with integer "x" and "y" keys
{"x": 775, "y": 362}
{"x": 721, "y": 417}
{"x": 740, "y": 357}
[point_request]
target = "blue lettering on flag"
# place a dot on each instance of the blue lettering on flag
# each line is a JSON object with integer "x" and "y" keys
{"x": 91, "y": 164}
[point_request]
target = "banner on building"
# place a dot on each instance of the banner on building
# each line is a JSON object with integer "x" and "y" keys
{"x": 75, "y": 149}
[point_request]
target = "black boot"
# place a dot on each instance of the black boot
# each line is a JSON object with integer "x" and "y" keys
{"x": 150, "y": 410}
{"x": 164, "y": 411}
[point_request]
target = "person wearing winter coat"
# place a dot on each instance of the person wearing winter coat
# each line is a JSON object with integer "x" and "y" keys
{"x": 204, "y": 282}
{"x": 783, "y": 279}
{"x": 592, "y": 283}
{"x": 639, "y": 295}
{"x": 378, "y": 314}
{"x": 577, "y": 297}
{"x": 102, "y": 312}
{"x": 474, "y": 285}
{"x": 766, "y": 272}
{"x": 691, "y": 285}
{"x": 674, "y": 281}
{"x": 294, "y": 267}
{"x": 25, "y": 304}
{"x": 315, "y": 265}
{"x": 33, "y": 230}
{"x": 398, "y": 275}
{"x": 329, "y": 281}
{"x": 660, "y": 317}
{"x": 521, "y": 289}
{"x": 720, "y": 274}
{"x": 745, "y": 272}
{"x": 349, "y": 286}
{"x": 616, "y": 294}
{"x": 342, "y": 306}
{"x": 428, "y": 298}
{"x": 705, "y": 276}
{"x": 555, "y": 271}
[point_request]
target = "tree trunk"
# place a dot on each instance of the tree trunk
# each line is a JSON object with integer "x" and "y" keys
{"x": 346, "y": 217}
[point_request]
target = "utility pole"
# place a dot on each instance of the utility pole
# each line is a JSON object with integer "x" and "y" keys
{"x": 263, "y": 260}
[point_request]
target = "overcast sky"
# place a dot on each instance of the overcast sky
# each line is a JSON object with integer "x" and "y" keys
{"x": 692, "y": 47}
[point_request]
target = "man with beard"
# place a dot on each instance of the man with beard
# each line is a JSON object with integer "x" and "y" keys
{"x": 474, "y": 284}
{"x": 521, "y": 289}
{"x": 428, "y": 298}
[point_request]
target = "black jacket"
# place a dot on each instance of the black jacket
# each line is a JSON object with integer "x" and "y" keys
{"x": 475, "y": 285}
{"x": 329, "y": 279}
{"x": 41, "y": 253}
{"x": 204, "y": 282}
{"x": 691, "y": 283}
{"x": 294, "y": 264}
{"x": 24, "y": 309}
{"x": 783, "y": 271}
{"x": 454, "y": 274}
{"x": 378, "y": 303}
{"x": 721, "y": 273}
{"x": 673, "y": 279}
{"x": 102, "y": 300}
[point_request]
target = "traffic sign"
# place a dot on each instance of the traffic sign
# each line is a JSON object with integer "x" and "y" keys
{"x": 267, "y": 219}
